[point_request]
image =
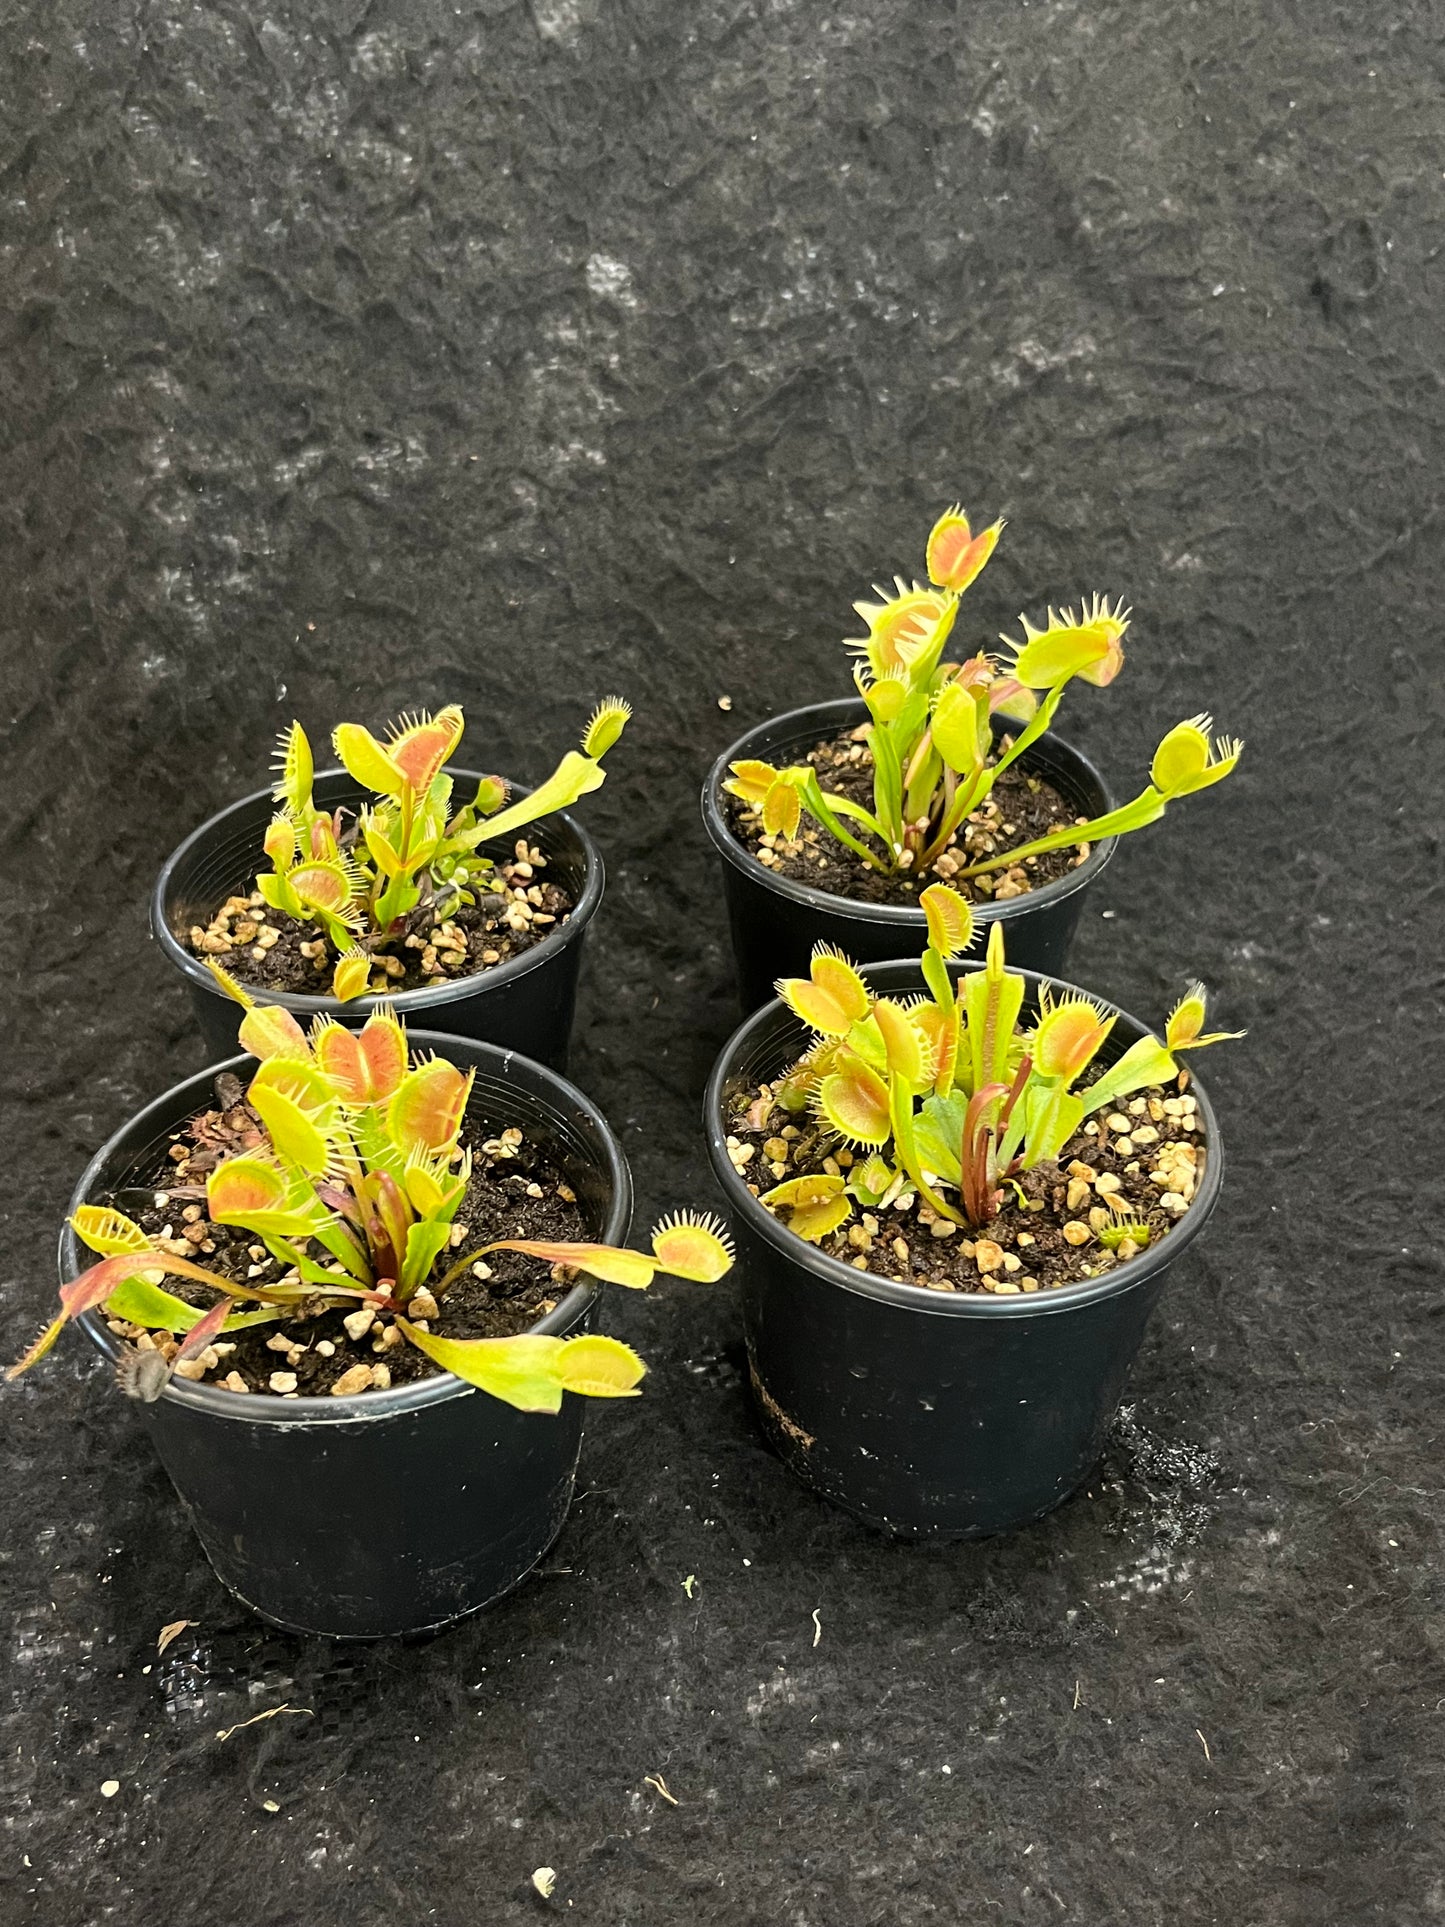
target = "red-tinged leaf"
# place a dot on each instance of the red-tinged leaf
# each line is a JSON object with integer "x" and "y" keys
{"x": 267, "y": 1030}
{"x": 426, "y": 1112}
{"x": 420, "y": 749}
{"x": 203, "y": 1331}
{"x": 93, "y": 1287}
{"x": 84, "y": 1294}
{"x": 611, "y": 1263}
{"x": 322, "y": 886}
{"x": 383, "y": 1045}
{"x": 241, "y": 1186}
{"x": 340, "y": 1056}
{"x": 396, "y": 1218}
{"x": 955, "y": 553}
{"x": 979, "y": 1198}
{"x": 688, "y": 1245}
{"x": 1068, "y": 1038}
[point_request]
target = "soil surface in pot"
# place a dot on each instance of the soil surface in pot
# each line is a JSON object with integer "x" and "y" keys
{"x": 1021, "y": 808}
{"x": 272, "y": 951}
{"x": 516, "y": 1191}
{"x": 1140, "y": 1162}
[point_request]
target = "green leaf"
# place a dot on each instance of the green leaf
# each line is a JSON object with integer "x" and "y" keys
{"x": 278, "y": 893}
{"x": 854, "y": 1099}
{"x": 575, "y": 776}
{"x": 992, "y": 1000}
{"x": 919, "y": 792}
{"x": 956, "y": 734}
{"x": 884, "y": 697}
{"x": 159, "y": 1310}
{"x": 1147, "y": 1062}
{"x": 596, "y": 1366}
{"x": 825, "y": 810}
{"x": 108, "y": 1231}
{"x": 532, "y": 1370}
{"x": 606, "y": 724}
{"x": 887, "y": 784}
{"x": 425, "y": 1243}
{"x": 520, "y": 1371}
{"x": 939, "y": 1133}
{"x": 1051, "y": 1117}
{"x": 1147, "y": 807}
{"x": 295, "y": 768}
{"x": 905, "y": 1143}
{"x": 365, "y": 759}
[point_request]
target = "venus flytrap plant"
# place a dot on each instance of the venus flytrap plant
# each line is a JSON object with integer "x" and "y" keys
{"x": 362, "y": 1156}
{"x": 930, "y": 724}
{"x": 949, "y": 1096}
{"x": 409, "y": 850}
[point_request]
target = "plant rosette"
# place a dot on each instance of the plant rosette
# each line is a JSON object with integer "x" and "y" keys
{"x": 939, "y": 775}
{"x": 383, "y": 885}
{"x": 401, "y": 1446}
{"x": 777, "y": 920}
{"x": 940, "y": 1350}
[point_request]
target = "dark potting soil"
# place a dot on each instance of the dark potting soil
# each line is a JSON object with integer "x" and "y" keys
{"x": 515, "y": 1191}
{"x": 1140, "y": 1161}
{"x": 435, "y": 948}
{"x": 1021, "y": 808}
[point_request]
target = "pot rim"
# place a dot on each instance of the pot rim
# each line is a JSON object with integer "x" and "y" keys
{"x": 901, "y": 915}
{"x": 370, "y": 1407}
{"x": 1064, "y": 1298}
{"x": 425, "y": 997}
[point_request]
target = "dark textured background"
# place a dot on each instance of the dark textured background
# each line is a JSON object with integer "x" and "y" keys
{"x": 533, "y": 350}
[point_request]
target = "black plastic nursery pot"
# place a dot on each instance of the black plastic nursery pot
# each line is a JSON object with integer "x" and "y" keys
{"x": 931, "y": 1414}
{"x": 776, "y": 921}
{"x": 524, "y": 1004}
{"x": 386, "y": 1512}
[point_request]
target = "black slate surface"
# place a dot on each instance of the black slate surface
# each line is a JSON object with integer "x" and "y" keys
{"x": 369, "y": 356}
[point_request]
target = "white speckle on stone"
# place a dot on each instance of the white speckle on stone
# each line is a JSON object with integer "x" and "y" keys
{"x": 610, "y": 279}
{"x": 561, "y": 20}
